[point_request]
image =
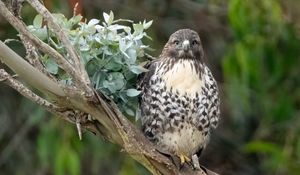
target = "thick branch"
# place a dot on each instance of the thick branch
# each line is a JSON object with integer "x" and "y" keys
{"x": 32, "y": 76}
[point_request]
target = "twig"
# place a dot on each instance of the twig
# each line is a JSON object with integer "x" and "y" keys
{"x": 78, "y": 126}
{"x": 75, "y": 9}
{"x": 31, "y": 55}
{"x": 11, "y": 40}
{"x": 18, "y": 86}
{"x": 150, "y": 57}
{"x": 85, "y": 82}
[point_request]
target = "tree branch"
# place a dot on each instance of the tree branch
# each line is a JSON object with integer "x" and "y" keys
{"x": 30, "y": 74}
{"x": 32, "y": 56}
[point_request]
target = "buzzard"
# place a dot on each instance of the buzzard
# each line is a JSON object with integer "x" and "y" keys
{"x": 179, "y": 102}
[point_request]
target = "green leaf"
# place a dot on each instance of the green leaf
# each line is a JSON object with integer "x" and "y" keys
{"x": 129, "y": 111}
{"x": 62, "y": 20}
{"x": 128, "y": 74}
{"x": 75, "y": 20}
{"x": 93, "y": 22}
{"x": 137, "y": 69}
{"x": 114, "y": 85}
{"x": 112, "y": 65}
{"x": 38, "y": 21}
{"x": 108, "y": 18}
{"x": 146, "y": 25}
{"x": 117, "y": 27}
{"x": 138, "y": 28}
{"x": 98, "y": 79}
{"x": 114, "y": 82}
{"x": 41, "y": 33}
{"x": 123, "y": 96}
{"x": 132, "y": 92}
{"x": 117, "y": 75}
{"x": 51, "y": 66}
{"x": 111, "y": 18}
{"x": 131, "y": 56}
{"x": 123, "y": 46}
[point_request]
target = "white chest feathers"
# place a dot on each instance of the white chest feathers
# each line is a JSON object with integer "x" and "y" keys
{"x": 183, "y": 77}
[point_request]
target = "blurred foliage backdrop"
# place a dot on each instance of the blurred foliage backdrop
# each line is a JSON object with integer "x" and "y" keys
{"x": 253, "y": 49}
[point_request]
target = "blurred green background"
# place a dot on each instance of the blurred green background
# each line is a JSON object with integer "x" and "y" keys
{"x": 253, "y": 49}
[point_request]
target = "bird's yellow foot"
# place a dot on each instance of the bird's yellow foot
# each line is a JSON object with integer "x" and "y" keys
{"x": 184, "y": 159}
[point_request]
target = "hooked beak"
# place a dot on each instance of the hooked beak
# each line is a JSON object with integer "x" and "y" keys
{"x": 186, "y": 45}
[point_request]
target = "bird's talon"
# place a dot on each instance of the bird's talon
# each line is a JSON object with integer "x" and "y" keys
{"x": 184, "y": 159}
{"x": 187, "y": 159}
{"x": 181, "y": 159}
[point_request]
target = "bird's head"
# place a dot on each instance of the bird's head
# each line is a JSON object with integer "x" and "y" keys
{"x": 184, "y": 44}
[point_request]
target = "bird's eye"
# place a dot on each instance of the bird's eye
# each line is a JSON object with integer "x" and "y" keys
{"x": 195, "y": 42}
{"x": 176, "y": 42}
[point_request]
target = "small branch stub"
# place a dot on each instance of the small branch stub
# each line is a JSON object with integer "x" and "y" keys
{"x": 78, "y": 126}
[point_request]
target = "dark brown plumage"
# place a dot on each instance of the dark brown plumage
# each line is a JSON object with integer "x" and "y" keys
{"x": 179, "y": 103}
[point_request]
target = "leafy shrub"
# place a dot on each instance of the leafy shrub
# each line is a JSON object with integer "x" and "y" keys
{"x": 110, "y": 51}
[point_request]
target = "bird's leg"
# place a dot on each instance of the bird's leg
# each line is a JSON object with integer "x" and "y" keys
{"x": 195, "y": 160}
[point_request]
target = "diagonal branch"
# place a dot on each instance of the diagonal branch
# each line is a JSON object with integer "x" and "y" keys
{"x": 32, "y": 76}
{"x": 33, "y": 57}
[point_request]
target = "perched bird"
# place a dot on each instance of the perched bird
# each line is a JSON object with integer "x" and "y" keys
{"x": 179, "y": 102}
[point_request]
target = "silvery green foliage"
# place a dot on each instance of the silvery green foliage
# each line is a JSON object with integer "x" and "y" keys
{"x": 110, "y": 51}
